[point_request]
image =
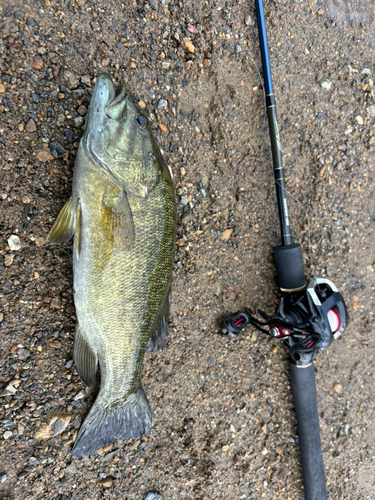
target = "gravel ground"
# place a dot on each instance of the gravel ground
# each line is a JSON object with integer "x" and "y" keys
{"x": 223, "y": 419}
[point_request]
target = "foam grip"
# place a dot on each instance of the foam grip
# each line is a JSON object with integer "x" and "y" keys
{"x": 305, "y": 403}
{"x": 289, "y": 267}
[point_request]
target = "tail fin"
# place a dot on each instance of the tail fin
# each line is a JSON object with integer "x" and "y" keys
{"x": 104, "y": 424}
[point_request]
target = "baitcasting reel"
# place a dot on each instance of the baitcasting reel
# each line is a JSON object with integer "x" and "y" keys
{"x": 306, "y": 321}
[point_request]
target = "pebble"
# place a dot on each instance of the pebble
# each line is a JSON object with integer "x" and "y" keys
{"x": 371, "y": 110}
{"x": 78, "y": 121}
{"x": 337, "y": 388}
{"x": 95, "y": 26}
{"x": 82, "y": 110}
{"x": 191, "y": 28}
{"x": 3, "y": 478}
{"x": 325, "y": 84}
{"x": 237, "y": 48}
{"x": 107, "y": 482}
{"x": 7, "y": 434}
{"x": 30, "y": 126}
{"x": 85, "y": 79}
{"x": 154, "y": 4}
{"x": 188, "y": 44}
{"x": 38, "y": 62}
{"x": 153, "y": 496}
{"x": 43, "y": 155}
{"x": 14, "y": 242}
{"x": 264, "y": 451}
{"x": 183, "y": 200}
{"x": 248, "y": 21}
{"x": 207, "y": 63}
{"x": 72, "y": 468}
{"x": 188, "y": 65}
{"x": 23, "y": 353}
{"x": 359, "y": 120}
{"x": 8, "y": 259}
{"x": 162, "y": 104}
{"x": 56, "y": 425}
{"x": 226, "y": 234}
{"x": 71, "y": 80}
{"x": 163, "y": 128}
{"x": 56, "y": 149}
{"x": 2, "y": 88}
{"x": 26, "y": 199}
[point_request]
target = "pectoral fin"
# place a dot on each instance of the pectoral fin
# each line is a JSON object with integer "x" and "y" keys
{"x": 64, "y": 226}
{"x": 159, "y": 330}
{"x": 85, "y": 358}
{"x": 119, "y": 221}
{"x": 78, "y": 228}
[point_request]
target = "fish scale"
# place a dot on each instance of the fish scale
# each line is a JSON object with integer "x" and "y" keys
{"x": 122, "y": 262}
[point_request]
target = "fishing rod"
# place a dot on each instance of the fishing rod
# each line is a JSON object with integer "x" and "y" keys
{"x": 309, "y": 316}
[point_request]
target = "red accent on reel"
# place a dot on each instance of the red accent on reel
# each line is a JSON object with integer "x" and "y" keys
{"x": 334, "y": 320}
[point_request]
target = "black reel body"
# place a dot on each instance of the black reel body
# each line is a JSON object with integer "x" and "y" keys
{"x": 306, "y": 321}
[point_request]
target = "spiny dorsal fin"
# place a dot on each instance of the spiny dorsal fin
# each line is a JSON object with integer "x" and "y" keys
{"x": 78, "y": 228}
{"x": 63, "y": 228}
{"x": 85, "y": 358}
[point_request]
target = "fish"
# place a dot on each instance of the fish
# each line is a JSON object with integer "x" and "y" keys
{"x": 122, "y": 214}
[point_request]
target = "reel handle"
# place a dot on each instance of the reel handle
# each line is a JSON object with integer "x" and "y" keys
{"x": 305, "y": 403}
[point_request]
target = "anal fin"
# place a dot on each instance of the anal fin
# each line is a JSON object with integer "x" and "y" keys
{"x": 85, "y": 358}
{"x": 64, "y": 226}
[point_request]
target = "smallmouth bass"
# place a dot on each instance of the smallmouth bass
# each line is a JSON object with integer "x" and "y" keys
{"x": 122, "y": 214}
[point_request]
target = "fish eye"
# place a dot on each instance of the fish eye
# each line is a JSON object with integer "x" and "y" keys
{"x": 142, "y": 121}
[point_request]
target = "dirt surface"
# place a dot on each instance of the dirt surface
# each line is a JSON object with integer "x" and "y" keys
{"x": 223, "y": 419}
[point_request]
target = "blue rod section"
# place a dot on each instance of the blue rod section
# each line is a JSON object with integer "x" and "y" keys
{"x": 263, "y": 47}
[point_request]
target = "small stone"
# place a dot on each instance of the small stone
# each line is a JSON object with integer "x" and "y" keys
{"x": 264, "y": 451}
{"x": 207, "y": 55}
{"x": 188, "y": 44}
{"x": 82, "y": 110}
{"x": 337, "y": 388}
{"x": 72, "y": 468}
{"x": 163, "y": 128}
{"x": 38, "y": 62}
{"x": 56, "y": 149}
{"x": 366, "y": 71}
{"x": 359, "y": 120}
{"x": 71, "y": 80}
{"x": 23, "y": 353}
{"x": 162, "y": 104}
{"x": 237, "y": 48}
{"x": 371, "y": 110}
{"x": 105, "y": 63}
{"x": 30, "y": 126}
{"x": 325, "y": 84}
{"x": 3, "y": 478}
{"x": 56, "y": 303}
{"x": 33, "y": 461}
{"x": 188, "y": 65}
{"x": 40, "y": 241}
{"x": 95, "y": 26}
{"x": 248, "y": 21}
{"x": 226, "y": 234}
{"x": 56, "y": 425}
{"x": 191, "y": 28}
{"x": 183, "y": 200}
{"x": 26, "y": 200}
{"x": 153, "y": 496}
{"x": 165, "y": 65}
{"x": 153, "y": 4}
{"x": 2, "y": 88}
{"x": 78, "y": 121}
{"x": 85, "y": 79}
{"x": 14, "y": 242}
{"x": 55, "y": 344}
{"x": 106, "y": 482}
{"x": 80, "y": 395}
{"x": 43, "y": 155}
{"x": 132, "y": 65}
{"x": 142, "y": 104}
{"x": 346, "y": 100}
{"x": 21, "y": 127}
{"x": 7, "y": 434}
{"x": 9, "y": 390}
{"x": 207, "y": 63}
{"x": 8, "y": 259}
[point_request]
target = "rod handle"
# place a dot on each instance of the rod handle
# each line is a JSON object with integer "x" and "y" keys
{"x": 305, "y": 403}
